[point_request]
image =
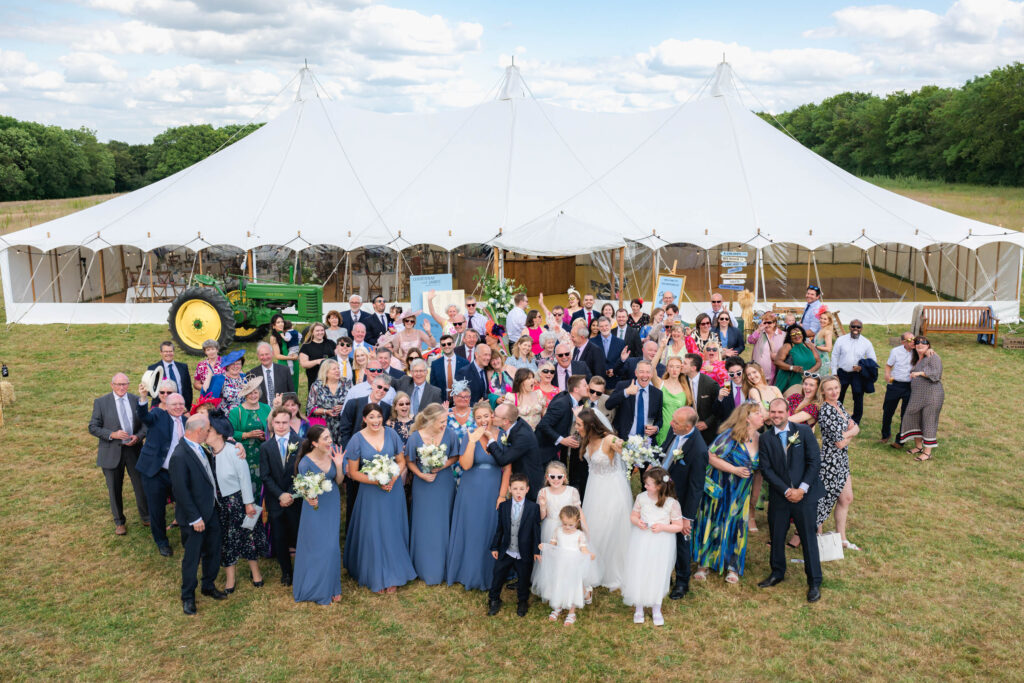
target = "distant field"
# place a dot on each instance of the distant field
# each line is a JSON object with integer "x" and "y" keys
{"x": 997, "y": 205}
{"x": 25, "y": 214}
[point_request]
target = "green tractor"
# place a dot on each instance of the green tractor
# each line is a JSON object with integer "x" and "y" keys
{"x": 207, "y": 311}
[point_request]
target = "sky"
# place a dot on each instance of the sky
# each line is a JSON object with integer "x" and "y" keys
{"x": 129, "y": 69}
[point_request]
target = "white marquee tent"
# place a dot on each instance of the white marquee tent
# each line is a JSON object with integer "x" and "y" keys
{"x": 514, "y": 173}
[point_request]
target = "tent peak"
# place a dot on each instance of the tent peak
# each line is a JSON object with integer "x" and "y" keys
{"x": 307, "y": 84}
{"x": 512, "y": 85}
{"x": 723, "y": 83}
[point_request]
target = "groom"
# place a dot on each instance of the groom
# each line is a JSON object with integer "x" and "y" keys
{"x": 790, "y": 459}
{"x": 686, "y": 460}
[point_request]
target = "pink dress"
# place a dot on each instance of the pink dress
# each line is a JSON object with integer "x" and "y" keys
{"x": 765, "y": 348}
{"x": 535, "y": 336}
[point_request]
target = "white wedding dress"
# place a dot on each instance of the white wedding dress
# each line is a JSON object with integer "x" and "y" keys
{"x": 607, "y": 506}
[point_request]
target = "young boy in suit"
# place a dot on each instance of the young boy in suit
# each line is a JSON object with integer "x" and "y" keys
{"x": 516, "y": 544}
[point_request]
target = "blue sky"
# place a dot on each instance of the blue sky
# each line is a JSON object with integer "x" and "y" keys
{"x": 130, "y": 68}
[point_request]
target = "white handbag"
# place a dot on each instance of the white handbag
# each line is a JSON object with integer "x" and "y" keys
{"x": 830, "y": 546}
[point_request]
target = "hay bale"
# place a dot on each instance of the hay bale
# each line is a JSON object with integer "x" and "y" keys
{"x": 6, "y": 393}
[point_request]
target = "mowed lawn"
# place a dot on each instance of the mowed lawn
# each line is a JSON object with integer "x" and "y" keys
{"x": 935, "y": 593}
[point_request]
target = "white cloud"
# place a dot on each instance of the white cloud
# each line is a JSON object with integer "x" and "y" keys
{"x": 90, "y": 67}
{"x": 14, "y": 63}
{"x": 44, "y": 80}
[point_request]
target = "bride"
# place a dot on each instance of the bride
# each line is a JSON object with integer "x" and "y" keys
{"x": 608, "y": 499}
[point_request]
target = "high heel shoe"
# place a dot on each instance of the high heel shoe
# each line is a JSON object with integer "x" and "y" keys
{"x": 257, "y": 584}
{"x": 229, "y": 591}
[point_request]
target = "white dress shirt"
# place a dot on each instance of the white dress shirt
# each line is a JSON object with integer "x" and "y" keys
{"x": 515, "y": 323}
{"x": 848, "y": 352}
{"x": 809, "y": 318}
{"x": 899, "y": 364}
{"x": 177, "y": 434}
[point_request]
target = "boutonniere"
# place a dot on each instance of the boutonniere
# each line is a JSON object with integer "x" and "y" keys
{"x": 292, "y": 447}
{"x": 677, "y": 455}
{"x": 504, "y": 439}
{"x": 793, "y": 440}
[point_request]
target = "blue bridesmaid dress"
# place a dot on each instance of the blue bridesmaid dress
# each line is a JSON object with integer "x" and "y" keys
{"x": 377, "y": 544}
{"x": 317, "y": 576}
{"x": 474, "y": 520}
{"x": 431, "y": 511}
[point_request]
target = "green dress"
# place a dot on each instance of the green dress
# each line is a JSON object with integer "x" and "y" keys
{"x": 670, "y": 403}
{"x": 798, "y": 355}
{"x": 245, "y": 420}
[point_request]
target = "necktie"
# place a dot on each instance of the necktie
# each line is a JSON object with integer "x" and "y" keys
{"x": 737, "y": 395}
{"x": 206, "y": 468}
{"x": 561, "y": 378}
{"x": 483, "y": 378}
{"x": 588, "y": 320}
{"x": 383, "y": 323}
{"x": 641, "y": 412}
{"x": 782, "y": 437}
{"x": 806, "y": 308}
{"x": 469, "y": 322}
{"x": 355, "y": 317}
{"x": 677, "y": 444}
{"x": 607, "y": 341}
{"x": 344, "y": 369}
{"x": 416, "y": 393}
{"x": 171, "y": 375}
{"x": 269, "y": 377}
{"x": 622, "y": 333}
{"x": 448, "y": 372}
{"x": 576, "y": 356}
{"x": 282, "y": 443}
{"x": 125, "y": 414}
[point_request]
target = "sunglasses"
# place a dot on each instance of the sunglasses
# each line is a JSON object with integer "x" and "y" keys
{"x": 922, "y": 341}
{"x": 445, "y": 345}
{"x": 594, "y": 392}
{"x": 563, "y": 355}
{"x": 736, "y": 374}
{"x": 458, "y": 324}
{"x": 163, "y": 393}
{"x": 808, "y": 373}
{"x": 402, "y": 404}
{"x": 723, "y": 318}
{"x": 468, "y": 305}
{"x": 409, "y": 321}
{"x": 856, "y": 327}
{"x": 556, "y": 476}
{"x": 705, "y": 322}
{"x": 547, "y": 372}
{"x": 374, "y": 370}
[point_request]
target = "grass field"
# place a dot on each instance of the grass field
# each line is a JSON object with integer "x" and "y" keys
{"x": 935, "y": 594}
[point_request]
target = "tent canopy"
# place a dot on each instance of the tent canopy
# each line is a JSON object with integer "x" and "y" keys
{"x": 513, "y": 172}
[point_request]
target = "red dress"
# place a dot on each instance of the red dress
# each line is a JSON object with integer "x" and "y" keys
{"x": 811, "y": 408}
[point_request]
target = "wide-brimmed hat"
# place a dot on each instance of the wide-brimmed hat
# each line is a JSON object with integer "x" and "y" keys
{"x": 252, "y": 385}
{"x": 232, "y": 357}
{"x": 151, "y": 379}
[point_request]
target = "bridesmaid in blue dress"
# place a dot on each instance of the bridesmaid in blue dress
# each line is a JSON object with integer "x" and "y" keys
{"x": 317, "y": 576}
{"x": 432, "y": 493}
{"x": 475, "y": 517}
{"x": 377, "y": 544}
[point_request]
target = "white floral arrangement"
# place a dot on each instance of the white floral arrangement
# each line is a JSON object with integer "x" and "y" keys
{"x": 381, "y": 470}
{"x": 498, "y": 294}
{"x": 311, "y": 485}
{"x": 637, "y": 451}
{"x": 432, "y": 457}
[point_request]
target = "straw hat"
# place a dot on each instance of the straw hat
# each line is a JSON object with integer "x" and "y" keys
{"x": 252, "y": 385}
{"x": 151, "y": 379}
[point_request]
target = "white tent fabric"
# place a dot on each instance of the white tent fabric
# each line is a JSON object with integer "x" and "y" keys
{"x": 516, "y": 173}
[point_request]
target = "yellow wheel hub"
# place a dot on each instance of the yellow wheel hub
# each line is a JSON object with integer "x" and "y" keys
{"x": 237, "y": 297}
{"x": 197, "y": 321}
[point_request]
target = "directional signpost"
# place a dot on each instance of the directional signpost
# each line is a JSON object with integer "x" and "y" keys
{"x": 731, "y": 270}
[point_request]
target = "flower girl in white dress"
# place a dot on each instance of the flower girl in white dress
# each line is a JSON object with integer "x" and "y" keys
{"x": 566, "y": 567}
{"x": 656, "y": 520}
{"x": 555, "y": 496}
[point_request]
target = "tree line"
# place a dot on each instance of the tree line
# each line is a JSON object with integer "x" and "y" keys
{"x": 970, "y": 134}
{"x": 49, "y": 162}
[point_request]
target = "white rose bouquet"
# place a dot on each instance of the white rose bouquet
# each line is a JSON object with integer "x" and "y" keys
{"x": 432, "y": 457}
{"x": 311, "y": 485}
{"x": 637, "y": 451}
{"x": 381, "y": 470}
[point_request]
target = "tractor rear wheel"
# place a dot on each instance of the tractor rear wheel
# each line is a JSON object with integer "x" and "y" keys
{"x": 237, "y": 299}
{"x": 198, "y": 314}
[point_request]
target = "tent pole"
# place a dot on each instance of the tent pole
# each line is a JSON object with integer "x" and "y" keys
{"x": 956, "y": 292}
{"x": 808, "y": 268}
{"x": 60, "y": 295}
{"x": 32, "y": 275}
{"x": 757, "y": 266}
{"x": 622, "y": 273}
{"x": 200, "y": 254}
{"x": 860, "y": 284}
{"x": 995, "y": 279}
{"x": 348, "y": 262}
{"x": 497, "y": 267}
{"x": 103, "y": 279}
{"x": 124, "y": 272}
{"x": 654, "y": 278}
{"x": 938, "y": 283}
{"x": 913, "y": 271}
{"x": 398, "y": 271}
{"x": 248, "y": 262}
{"x": 974, "y": 284}
{"x": 152, "y": 285}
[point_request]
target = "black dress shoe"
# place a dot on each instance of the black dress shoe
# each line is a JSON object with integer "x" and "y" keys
{"x": 813, "y": 594}
{"x": 286, "y": 580}
{"x": 771, "y": 581}
{"x": 679, "y": 591}
{"x": 522, "y": 608}
{"x": 214, "y": 593}
{"x": 493, "y": 607}
{"x": 165, "y": 550}
{"x": 189, "y": 606}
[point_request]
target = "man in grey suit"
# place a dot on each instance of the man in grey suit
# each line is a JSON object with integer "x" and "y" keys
{"x": 276, "y": 377}
{"x": 115, "y": 423}
{"x": 421, "y": 392}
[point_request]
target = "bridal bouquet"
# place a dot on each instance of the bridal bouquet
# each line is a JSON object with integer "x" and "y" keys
{"x": 432, "y": 457}
{"x": 380, "y": 470}
{"x": 637, "y": 451}
{"x": 311, "y": 485}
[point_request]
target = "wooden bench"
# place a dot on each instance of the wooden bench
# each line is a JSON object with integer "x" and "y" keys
{"x": 959, "y": 320}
